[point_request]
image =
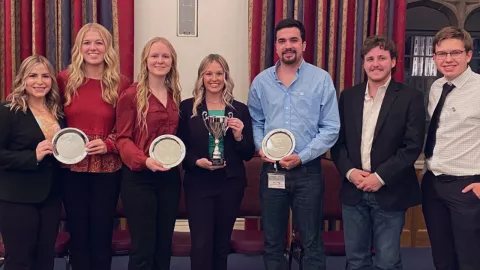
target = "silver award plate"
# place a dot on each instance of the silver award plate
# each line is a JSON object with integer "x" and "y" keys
{"x": 169, "y": 150}
{"x": 278, "y": 144}
{"x": 69, "y": 145}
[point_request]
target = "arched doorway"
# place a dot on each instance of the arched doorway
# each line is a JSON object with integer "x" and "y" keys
{"x": 438, "y": 6}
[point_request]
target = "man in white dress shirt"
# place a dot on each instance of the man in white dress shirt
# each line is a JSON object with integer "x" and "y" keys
{"x": 451, "y": 184}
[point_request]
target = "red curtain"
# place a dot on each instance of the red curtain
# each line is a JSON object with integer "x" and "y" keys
{"x": 335, "y": 31}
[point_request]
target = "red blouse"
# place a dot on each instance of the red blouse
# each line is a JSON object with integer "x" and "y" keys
{"x": 132, "y": 144}
{"x": 92, "y": 115}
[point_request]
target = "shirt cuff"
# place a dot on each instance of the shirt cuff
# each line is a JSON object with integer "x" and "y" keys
{"x": 138, "y": 164}
{"x": 380, "y": 179}
{"x": 110, "y": 146}
{"x": 304, "y": 157}
{"x": 348, "y": 174}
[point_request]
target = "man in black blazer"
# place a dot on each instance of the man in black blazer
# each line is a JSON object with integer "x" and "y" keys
{"x": 381, "y": 137}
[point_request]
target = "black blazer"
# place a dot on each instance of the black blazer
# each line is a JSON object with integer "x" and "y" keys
{"x": 194, "y": 134}
{"x": 21, "y": 179}
{"x": 397, "y": 143}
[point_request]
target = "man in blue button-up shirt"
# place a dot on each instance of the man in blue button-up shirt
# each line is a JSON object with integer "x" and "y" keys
{"x": 301, "y": 98}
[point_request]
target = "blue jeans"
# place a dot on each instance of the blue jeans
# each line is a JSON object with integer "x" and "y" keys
{"x": 363, "y": 219}
{"x": 304, "y": 188}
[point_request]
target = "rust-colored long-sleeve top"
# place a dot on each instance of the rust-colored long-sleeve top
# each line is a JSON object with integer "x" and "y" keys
{"x": 134, "y": 143}
{"x": 96, "y": 118}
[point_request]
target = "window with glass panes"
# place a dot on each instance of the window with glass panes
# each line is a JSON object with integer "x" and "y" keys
{"x": 420, "y": 70}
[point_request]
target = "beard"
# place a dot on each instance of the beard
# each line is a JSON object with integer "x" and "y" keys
{"x": 290, "y": 61}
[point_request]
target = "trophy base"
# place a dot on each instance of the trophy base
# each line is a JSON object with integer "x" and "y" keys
{"x": 217, "y": 162}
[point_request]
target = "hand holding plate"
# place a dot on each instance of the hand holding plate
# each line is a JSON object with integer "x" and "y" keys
{"x": 154, "y": 165}
{"x": 291, "y": 161}
{"x": 44, "y": 148}
{"x": 95, "y": 147}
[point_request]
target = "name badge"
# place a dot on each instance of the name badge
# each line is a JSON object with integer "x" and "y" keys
{"x": 276, "y": 180}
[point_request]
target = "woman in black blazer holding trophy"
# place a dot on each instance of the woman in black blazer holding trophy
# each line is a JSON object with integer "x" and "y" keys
{"x": 217, "y": 133}
{"x": 30, "y": 203}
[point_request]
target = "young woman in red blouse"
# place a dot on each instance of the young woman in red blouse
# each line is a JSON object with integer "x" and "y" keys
{"x": 150, "y": 193}
{"x": 90, "y": 88}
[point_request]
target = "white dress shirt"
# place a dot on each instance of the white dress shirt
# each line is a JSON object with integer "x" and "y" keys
{"x": 371, "y": 110}
{"x": 457, "y": 146}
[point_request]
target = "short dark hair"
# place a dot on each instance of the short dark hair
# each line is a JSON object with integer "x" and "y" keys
{"x": 455, "y": 33}
{"x": 289, "y": 23}
{"x": 380, "y": 41}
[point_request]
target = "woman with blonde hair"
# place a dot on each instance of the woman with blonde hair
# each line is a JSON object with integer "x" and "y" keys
{"x": 150, "y": 193}
{"x": 30, "y": 201}
{"x": 90, "y": 88}
{"x": 213, "y": 193}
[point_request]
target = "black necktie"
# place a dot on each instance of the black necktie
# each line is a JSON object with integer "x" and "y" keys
{"x": 432, "y": 129}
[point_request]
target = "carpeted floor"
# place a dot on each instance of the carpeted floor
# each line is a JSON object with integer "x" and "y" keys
{"x": 413, "y": 259}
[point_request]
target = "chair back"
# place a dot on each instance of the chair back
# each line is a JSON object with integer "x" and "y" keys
{"x": 250, "y": 207}
{"x": 333, "y": 182}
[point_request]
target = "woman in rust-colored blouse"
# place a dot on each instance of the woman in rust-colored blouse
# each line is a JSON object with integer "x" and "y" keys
{"x": 150, "y": 193}
{"x": 90, "y": 88}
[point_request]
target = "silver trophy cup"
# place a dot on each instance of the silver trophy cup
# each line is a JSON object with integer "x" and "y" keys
{"x": 217, "y": 127}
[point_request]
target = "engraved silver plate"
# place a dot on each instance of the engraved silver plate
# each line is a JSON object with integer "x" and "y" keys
{"x": 69, "y": 145}
{"x": 169, "y": 150}
{"x": 278, "y": 144}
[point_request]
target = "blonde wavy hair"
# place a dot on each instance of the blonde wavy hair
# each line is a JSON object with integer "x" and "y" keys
{"x": 19, "y": 96}
{"x": 199, "y": 90}
{"x": 172, "y": 81}
{"x": 111, "y": 72}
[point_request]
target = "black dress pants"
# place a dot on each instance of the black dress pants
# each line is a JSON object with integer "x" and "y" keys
{"x": 150, "y": 201}
{"x": 90, "y": 200}
{"x": 213, "y": 205}
{"x": 453, "y": 221}
{"x": 29, "y": 232}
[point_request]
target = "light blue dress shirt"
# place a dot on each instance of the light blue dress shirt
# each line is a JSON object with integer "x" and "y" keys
{"x": 308, "y": 108}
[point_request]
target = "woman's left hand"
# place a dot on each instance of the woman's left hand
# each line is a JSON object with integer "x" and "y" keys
{"x": 96, "y": 147}
{"x": 237, "y": 127}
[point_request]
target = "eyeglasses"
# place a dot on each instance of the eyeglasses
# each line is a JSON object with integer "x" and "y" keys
{"x": 454, "y": 54}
